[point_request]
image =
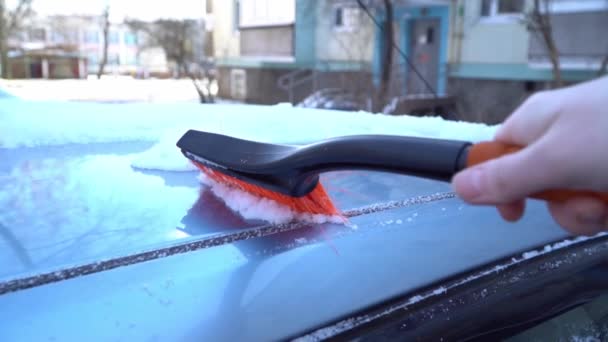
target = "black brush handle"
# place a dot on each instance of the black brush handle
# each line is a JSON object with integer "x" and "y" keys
{"x": 294, "y": 170}
{"x": 423, "y": 157}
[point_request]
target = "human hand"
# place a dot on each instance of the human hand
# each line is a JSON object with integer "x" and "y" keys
{"x": 565, "y": 134}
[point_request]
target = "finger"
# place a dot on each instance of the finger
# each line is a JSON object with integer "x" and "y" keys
{"x": 504, "y": 180}
{"x": 512, "y": 211}
{"x": 581, "y": 216}
{"x": 530, "y": 120}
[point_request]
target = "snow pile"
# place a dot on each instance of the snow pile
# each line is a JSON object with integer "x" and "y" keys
{"x": 164, "y": 155}
{"x": 253, "y": 207}
{"x": 31, "y": 124}
{"x": 286, "y": 125}
{"x": 25, "y": 123}
{"x": 557, "y": 245}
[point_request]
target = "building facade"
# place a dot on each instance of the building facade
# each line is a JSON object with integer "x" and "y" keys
{"x": 498, "y": 57}
{"x": 485, "y": 54}
{"x": 80, "y": 37}
{"x": 290, "y": 46}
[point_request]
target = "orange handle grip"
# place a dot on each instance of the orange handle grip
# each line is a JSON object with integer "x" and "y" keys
{"x": 484, "y": 151}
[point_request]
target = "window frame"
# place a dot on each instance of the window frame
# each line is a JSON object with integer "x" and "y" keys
{"x": 346, "y": 26}
{"x": 270, "y": 18}
{"x": 575, "y": 6}
{"x": 496, "y": 17}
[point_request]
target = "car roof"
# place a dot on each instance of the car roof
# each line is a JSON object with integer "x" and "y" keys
{"x": 84, "y": 210}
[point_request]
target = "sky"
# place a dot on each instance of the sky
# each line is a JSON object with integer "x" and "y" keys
{"x": 119, "y": 9}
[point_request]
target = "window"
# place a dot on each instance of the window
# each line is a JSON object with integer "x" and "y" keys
{"x": 93, "y": 58}
{"x": 255, "y": 13}
{"x": 131, "y": 58}
{"x": 430, "y": 35}
{"x": 209, "y": 7}
{"x": 486, "y": 8}
{"x": 493, "y": 8}
{"x": 38, "y": 34}
{"x": 236, "y": 15}
{"x": 91, "y": 37}
{"x": 574, "y": 6}
{"x": 57, "y": 37}
{"x": 238, "y": 84}
{"x": 510, "y": 6}
{"x": 130, "y": 39}
{"x": 588, "y": 322}
{"x": 346, "y": 17}
{"x": 339, "y": 17}
{"x": 113, "y": 59}
{"x": 113, "y": 37}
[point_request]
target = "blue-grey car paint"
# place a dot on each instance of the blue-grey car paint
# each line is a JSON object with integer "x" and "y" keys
{"x": 264, "y": 288}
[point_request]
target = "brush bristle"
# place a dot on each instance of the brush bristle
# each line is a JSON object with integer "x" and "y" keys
{"x": 317, "y": 202}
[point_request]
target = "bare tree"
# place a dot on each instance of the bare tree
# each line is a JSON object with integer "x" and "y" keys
{"x": 356, "y": 45}
{"x": 11, "y": 21}
{"x": 175, "y": 37}
{"x": 381, "y": 94}
{"x": 106, "y": 33}
{"x": 539, "y": 21}
{"x": 388, "y": 37}
{"x": 3, "y": 40}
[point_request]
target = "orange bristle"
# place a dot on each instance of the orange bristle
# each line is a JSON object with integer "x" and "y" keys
{"x": 316, "y": 202}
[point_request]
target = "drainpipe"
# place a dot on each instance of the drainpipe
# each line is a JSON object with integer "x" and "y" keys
{"x": 460, "y": 9}
{"x": 4, "y": 60}
{"x": 452, "y": 40}
{"x": 457, "y": 31}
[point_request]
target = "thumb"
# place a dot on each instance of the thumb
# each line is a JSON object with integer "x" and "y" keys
{"x": 503, "y": 180}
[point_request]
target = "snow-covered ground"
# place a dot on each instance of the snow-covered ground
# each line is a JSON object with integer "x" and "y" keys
{"x": 108, "y": 89}
{"x": 43, "y": 123}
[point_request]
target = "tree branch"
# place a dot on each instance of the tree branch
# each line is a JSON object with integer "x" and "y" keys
{"x": 16, "y": 17}
{"x": 106, "y": 33}
{"x": 543, "y": 24}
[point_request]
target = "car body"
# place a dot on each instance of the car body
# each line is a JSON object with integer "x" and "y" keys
{"x": 93, "y": 248}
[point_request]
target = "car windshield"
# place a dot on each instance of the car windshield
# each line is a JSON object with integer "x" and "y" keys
{"x": 95, "y": 95}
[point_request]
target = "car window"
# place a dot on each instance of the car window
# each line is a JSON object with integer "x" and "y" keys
{"x": 587, "y": 322}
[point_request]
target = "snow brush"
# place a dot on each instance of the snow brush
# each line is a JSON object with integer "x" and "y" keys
{"x": 290, "y": 174}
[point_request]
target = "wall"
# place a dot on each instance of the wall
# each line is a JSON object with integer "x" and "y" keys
{"x": 262, "y": 84}
{"x": 304, "y": 31}
{"x": 489, "y": 101}
{"x": 153, "y": 61}
{"x": 491, "y": 41}
{"x": 576, "y": 35}
{"x": 226, "y": 41}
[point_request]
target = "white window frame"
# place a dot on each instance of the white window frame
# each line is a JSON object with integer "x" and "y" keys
{"x": 347, "y": 25}
{"x": 574, "y": 6}
{"x": 497, "y": 18}
{"x": 238, "y": 84}
{"x": 282, "y": 15}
